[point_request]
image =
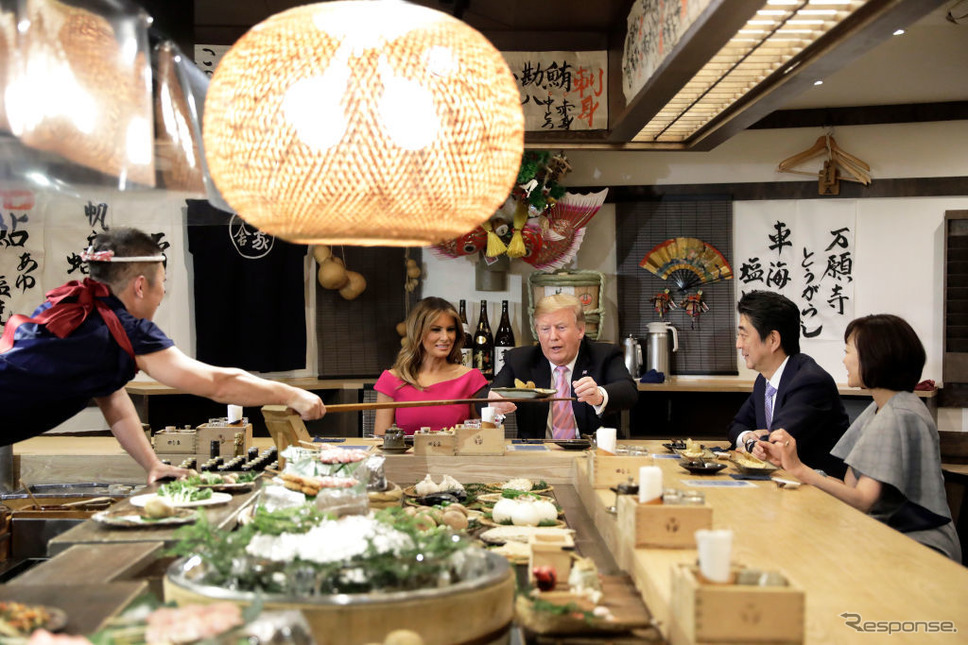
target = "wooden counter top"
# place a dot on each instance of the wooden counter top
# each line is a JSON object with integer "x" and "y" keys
{"x": 843, "y": 559}
{"x": 739, "y": 384}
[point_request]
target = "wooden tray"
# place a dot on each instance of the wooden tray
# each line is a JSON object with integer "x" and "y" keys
{"x": 618, "y": 595}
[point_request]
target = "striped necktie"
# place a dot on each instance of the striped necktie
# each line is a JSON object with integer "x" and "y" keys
{"x": 768, "y": 405}
{"x": 562, "y": 416}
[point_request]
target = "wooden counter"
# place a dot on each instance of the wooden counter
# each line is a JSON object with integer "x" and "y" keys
{"x": 843, "y": 559}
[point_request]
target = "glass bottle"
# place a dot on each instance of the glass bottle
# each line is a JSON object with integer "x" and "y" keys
{"x": 484, "y": 344}
{"x": 503, "y": 339}
{"x": 467, "y": 350}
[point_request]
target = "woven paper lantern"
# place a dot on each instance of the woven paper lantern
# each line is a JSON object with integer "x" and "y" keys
{"x": 368, "y": 123}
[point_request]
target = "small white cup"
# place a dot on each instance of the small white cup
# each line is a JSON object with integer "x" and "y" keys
{"x": 235, "y": 413}
{"x": 715, "y": 550}
{"x": 650, "y": 484}
{"x": 488, "y": 414}
{"x": 605, "y": 439}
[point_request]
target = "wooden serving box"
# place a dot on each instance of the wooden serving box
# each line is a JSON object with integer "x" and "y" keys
{"x": 606, "y": 470}
{"x": 226, "y": 436}
{"x": 671, "y": 526}
{"x": 434, "y": 443}
{"x": 480, "y": 441}
{"x": 707, "y": 612}
{"x": 553, "y": 551}
{"x": 171, "y": 441}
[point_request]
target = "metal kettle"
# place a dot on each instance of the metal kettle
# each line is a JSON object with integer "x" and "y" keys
{"x": 633, "y": 355}
{"x": 658, "y": 346}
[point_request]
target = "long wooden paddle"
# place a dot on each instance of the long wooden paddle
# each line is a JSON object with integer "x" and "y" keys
{"x": 384, "y": 405}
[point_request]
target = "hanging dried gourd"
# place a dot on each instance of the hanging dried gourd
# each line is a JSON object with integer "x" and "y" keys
{"x": 332, "y": 274}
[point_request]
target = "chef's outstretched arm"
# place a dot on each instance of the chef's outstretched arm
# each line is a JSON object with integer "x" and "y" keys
{"x": 226, "y": 384}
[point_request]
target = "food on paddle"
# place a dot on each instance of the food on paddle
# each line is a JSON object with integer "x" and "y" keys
{"x": 18, "y": 619}
{"x": 312, "y": 485}
{"x": 545, "y": 578}
{"x": 159, "y": 507}
{"x": 522, "y": 385}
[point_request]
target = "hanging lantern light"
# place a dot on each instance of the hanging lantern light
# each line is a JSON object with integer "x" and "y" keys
{"x": 363, "y": 122}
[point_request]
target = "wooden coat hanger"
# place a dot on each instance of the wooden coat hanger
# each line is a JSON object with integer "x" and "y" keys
{"x": 818, "y": 148}
{"x": 839, "y": 164}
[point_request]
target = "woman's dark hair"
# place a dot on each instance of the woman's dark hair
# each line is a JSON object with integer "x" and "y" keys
{"x": 768, "y": 311}
{"x": 890, "y": 353}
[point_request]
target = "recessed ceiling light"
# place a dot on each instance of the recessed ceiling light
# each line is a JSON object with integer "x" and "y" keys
{"x": 818, "y": 82}
{"x": 898, "y": 32}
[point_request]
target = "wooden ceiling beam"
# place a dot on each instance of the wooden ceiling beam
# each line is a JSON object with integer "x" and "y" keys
{"x": 867, "y": 27}
{"x": 704, "y": 38}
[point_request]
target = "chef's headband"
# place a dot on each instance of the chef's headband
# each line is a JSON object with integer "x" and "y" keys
{"x": 90, "y": 255}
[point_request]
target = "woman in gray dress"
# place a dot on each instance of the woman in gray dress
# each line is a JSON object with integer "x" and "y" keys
{"x": 892, "y": 449}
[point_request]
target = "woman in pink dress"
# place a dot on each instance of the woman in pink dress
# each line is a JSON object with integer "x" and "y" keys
{"x": 429, "y": 368}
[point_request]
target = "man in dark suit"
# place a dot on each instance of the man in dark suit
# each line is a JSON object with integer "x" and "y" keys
{"x": 792, "y": 391}
{"x": 594, "y": 373}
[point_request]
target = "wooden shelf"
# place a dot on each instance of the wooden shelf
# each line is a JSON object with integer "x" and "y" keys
{"x": 739, "y": 384}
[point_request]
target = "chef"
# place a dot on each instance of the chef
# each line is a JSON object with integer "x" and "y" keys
{"x": 90, "y": 338}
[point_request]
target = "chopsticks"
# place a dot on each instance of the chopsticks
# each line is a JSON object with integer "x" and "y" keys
{"x": 356, "y": 407}
{"x": 36, "y": 501}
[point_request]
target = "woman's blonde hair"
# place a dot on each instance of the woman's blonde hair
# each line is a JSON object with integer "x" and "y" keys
{"x": 421, "y": 317}
{"x": 551, "y": 304}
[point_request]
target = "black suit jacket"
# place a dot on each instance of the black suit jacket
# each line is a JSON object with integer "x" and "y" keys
{"x": 807, "y": 405}
{"x": 601, "y": 361}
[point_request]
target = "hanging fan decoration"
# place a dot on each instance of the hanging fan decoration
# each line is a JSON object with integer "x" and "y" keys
{"x": 539, "y": 223}
{"x": 687, "y": 262}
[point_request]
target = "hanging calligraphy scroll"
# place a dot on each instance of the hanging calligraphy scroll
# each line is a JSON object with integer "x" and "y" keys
{"x": 655, "y": 27}
{"x": 805, "y": 251}
{"x": 562, "y": 90}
